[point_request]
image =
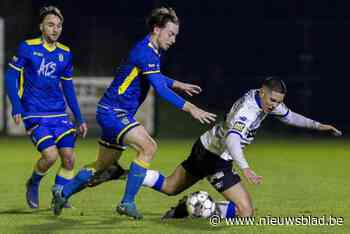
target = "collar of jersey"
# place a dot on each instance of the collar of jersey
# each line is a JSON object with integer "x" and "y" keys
{"x": 150, "y": 44}
{"x": 257, "y": 99}
{"x": 46, "y": 46}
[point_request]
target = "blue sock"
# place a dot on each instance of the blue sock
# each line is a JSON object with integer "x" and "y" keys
{"x": 135, "y": 178}
{"x": 159, "y": 183}
{"x": 36, "y": 178}
{"x": 231, "y": 210}
{"x": 154, "y": 180}
{"x": 79, "y": 181}
{"x": 64, "y": 176}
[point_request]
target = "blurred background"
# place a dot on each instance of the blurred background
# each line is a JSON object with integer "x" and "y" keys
{"x": 226, "y": 47}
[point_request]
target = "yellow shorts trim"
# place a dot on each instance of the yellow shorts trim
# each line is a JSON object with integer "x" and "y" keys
{"x": 125, "y": 130}
{"x": 43, "y": 139}
{"x": 65, "y": 134}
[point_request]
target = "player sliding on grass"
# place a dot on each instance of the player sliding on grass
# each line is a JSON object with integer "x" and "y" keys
{"x": 212, "y": 155}
{"x": 116, "y": 110}
{"x": 38, "y": 82}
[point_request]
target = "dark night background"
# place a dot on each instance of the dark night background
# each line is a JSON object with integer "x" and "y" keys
{"x": 227, "y": 47}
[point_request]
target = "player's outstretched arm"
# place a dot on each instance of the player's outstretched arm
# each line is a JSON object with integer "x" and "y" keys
{"x": 233, "y": 144}
{"x": 160, "y": 85}
{"x": 199, "y": 114}
{"x": 298, "y": 120}
{"x": 330, "y": 128}
{"x": 187, "y": 88}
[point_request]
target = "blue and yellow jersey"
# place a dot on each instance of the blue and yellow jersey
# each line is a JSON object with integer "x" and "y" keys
{"x": 42, "y": 68}
{"x": 130, "y": 85}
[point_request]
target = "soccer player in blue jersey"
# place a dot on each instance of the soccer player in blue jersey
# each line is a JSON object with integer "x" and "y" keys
{"x": 117, "y": 107}
{"x": 38, "y": 81}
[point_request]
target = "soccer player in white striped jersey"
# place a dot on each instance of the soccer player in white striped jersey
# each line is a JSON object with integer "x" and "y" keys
{"x": 215, "y": 151}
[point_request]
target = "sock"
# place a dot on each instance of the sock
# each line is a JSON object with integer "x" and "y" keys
{"x": 36, "y": 176}
{"x": 136, "y": 176}
{"x": 153, "y": 179}
{"x": 64, "y": 176}
{"x": 227, "y": 209}
{"x": 78, "y": 182}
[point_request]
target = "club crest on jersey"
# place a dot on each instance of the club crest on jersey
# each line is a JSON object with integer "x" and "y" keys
{"x": 46, "y": 69}
{"x": 125, "y": 121}
{"x": 60, "y": 57}
{"x": 239, "y": 126}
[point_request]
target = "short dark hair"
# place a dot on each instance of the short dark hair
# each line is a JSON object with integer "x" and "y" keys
{"x": 275, "y": 84}
{"x": 159, "y": 17}
{"x": 49, "y": 10}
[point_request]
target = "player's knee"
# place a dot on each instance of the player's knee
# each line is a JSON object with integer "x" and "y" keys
{"x": 245, "y": 209}
{"x": 149, "y": 150}
{"x": 170, "y": 189}
{"x": 68, "y": 163}
{"x": 50, "y": 159}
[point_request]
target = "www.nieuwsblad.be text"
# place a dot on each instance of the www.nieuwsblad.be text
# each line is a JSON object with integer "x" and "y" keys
{"x": 303, "y": 220}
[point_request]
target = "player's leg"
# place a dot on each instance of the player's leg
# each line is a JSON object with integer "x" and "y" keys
{"x": 239, "y": 197}
{"x": 228, "y": 183}
{"x": 44, "y": 142}
{"x": 145, "y": 146}
{"x": 65, "y": 172}
{"x": 65, "y": 142}
{"x": 106, "y": 157}
{"x": 171, "y": 185}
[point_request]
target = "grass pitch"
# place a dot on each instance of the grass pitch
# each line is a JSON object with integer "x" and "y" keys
{"x": 301, "y": 177}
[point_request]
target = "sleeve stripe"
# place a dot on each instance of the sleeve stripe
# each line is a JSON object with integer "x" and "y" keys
{"x": 232, "y": 131}
{"x": 16, "y": 68}
{"x": 66, "y": 78}
{"x": 285, "y": 114}
{"x": 150, "y": 72}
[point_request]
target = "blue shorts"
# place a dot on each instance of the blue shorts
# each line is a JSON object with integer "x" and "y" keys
{"x": 49, "y": 131}
{"x": 115, "y": 123}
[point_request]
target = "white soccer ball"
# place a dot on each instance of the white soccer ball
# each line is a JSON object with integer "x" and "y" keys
{"x": 200, "y": 205}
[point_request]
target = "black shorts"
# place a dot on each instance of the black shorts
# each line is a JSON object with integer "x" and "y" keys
{"x": 202, "y": 163}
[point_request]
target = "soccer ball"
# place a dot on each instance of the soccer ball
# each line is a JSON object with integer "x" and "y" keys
{"x": 200, "y": 205}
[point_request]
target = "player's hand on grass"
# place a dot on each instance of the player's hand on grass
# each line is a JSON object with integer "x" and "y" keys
{"x": 250, "y": 175}
{"x": 17, "y": 118}
{"x": 189, "y": 89}
{"x": 83, "y": 129}
{"x": 199, "y": 114}
{"x": 330, "y": 128}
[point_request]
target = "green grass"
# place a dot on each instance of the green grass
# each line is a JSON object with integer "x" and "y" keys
{"x": 301, "y": 177}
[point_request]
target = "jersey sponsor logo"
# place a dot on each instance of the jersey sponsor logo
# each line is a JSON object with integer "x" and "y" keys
{"x": 151, "y": 65}
{"x": 38, "y": 54}
{"x": 239, "y": 126}
{"x": 46, "y": 69}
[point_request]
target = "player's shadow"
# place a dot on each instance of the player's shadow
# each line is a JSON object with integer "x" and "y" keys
{"x": 22, "y": 211}
{"x": 57, "y": 224}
